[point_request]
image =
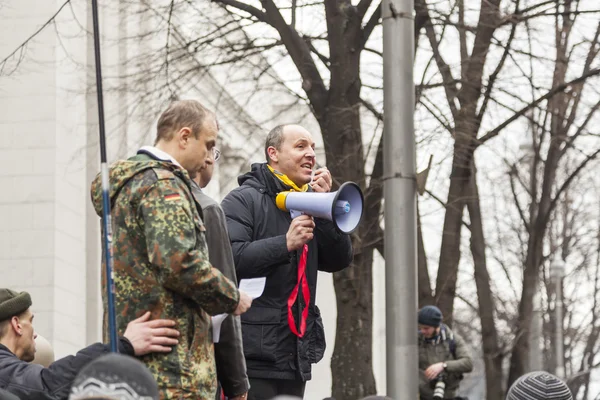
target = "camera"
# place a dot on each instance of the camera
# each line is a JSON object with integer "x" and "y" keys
{"x": 440, "y": 387}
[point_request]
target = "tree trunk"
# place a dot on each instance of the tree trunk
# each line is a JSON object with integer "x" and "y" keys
{"x": 492, "y": 355}
{"x": 342, "y": 137}
{"x": 353, "y": 378}
{"x": 445, "y": 287}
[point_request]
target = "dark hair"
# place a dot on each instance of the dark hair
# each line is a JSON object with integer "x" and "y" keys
{"x": 274, "y": 138}
{"x": 181, "y": 114}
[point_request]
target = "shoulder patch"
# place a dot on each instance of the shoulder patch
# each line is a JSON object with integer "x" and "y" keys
{"x": 163, "y": 174}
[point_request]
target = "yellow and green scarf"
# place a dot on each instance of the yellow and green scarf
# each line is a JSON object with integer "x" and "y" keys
{"x": 287, "y": 181}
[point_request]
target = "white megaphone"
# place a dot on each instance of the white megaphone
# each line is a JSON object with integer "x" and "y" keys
{"x": 344, "y": 207}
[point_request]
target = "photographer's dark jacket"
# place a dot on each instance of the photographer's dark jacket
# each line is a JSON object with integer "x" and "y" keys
{"x": 257, "y": 230}
{"x": 32, "y": 381}
{"x": 440, "y": 350}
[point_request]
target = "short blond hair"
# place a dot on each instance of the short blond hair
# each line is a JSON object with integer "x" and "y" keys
{"x": 181, "y": 114}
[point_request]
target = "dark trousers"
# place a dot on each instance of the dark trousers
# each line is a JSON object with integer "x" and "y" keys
{"x": 266, "y": 389}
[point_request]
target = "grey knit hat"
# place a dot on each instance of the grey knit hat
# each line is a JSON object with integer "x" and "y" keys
{"x": 539, "y": 385}
{"x": 115, "y": 376}
{"x": 430, "y": 316}
{"x": 13, "y": 303}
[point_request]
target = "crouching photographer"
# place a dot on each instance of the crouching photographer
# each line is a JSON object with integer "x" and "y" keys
{"x": 443, "y": 357}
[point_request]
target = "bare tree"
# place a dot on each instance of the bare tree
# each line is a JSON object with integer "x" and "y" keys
{"x": 470, "y": 59}
{"x": 471, "y": 89}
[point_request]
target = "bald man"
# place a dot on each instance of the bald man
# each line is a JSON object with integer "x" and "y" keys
{"x": 283, "y": 332}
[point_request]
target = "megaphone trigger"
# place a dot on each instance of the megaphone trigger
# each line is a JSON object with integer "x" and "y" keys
{"x": 344, "y": 207}
{"x": 296, "y": 213}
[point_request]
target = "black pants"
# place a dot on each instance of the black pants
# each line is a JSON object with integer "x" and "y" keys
{"x": 266, "y": 389}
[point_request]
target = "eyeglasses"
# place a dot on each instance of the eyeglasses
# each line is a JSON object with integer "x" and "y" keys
{"x": 216, "y": 154}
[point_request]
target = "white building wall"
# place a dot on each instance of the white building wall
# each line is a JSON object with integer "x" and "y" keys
{"x": 42, "y": 177}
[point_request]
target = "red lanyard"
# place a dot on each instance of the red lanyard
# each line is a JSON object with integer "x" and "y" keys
{"x": 305, "y": 293}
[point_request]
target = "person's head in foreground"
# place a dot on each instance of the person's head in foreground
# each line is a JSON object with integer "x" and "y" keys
{"x": 115, "y": 377}
{"x": 539, "y": 385}
{"x": 4, "y": 395}
{"x": 16, "y": 324}
{"x": 374, "y": 397}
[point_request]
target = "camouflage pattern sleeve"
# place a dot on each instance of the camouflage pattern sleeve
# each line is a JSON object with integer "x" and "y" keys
{"x": 177, "y": 248}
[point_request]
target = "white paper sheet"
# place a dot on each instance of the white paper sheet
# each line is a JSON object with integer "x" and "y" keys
{"x": 253, "y": 287}
{"x": 217, "y": 320}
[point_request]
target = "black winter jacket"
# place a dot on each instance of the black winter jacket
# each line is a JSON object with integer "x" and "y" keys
{"x": 257, "y": 229}
{"x": 32, "y": 381}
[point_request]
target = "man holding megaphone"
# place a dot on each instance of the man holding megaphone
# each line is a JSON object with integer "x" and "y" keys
{"x": 283, "y": 331}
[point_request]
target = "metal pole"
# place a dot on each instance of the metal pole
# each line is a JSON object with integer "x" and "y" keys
{"x": 400, "y": 200}
{"x": 560, "y": 365}
{"x": 106, "y": 219}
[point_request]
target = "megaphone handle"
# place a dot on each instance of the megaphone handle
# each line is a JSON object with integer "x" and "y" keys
{"x": 295, "y": 213}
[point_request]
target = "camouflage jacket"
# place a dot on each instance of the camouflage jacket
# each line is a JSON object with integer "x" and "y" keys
{"x": 161, "y": 265}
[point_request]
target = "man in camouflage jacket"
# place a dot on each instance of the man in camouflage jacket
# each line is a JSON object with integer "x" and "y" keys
{"x": 160, "y": 253}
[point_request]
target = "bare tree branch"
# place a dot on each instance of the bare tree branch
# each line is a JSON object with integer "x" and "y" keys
{"x": 255, "y": 12}
{"x": 558, "y": 89}
{"x": 33, "y": 35}
{"x": 370, "y": 25}
{"x": 568, "y": 181}
{"x": 443, "y": 67}
{"x": 494, "y": 75}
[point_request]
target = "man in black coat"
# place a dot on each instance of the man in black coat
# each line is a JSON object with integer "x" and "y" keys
{"x": 283, "y": 331}
{"x": 32, "y": 381}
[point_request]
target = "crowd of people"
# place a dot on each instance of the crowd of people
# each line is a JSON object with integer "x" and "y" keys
{"x": 178, "y": 255}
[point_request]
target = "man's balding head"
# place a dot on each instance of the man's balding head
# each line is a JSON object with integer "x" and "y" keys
{"x": 290, "y": 149}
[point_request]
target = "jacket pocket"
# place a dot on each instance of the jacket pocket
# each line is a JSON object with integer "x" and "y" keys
{"x": 259, "y": 330}
{"x": 317, "y": 344}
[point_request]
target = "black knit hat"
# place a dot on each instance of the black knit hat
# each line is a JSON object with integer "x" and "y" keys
{"x": 114, "y": 376}
{"x": 539, "y": 385}
{"x": 430, "y": 316}
{"x": 13, "y": 303}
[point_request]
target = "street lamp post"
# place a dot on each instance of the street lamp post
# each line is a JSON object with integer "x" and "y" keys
{"x": 557, "y": 272}
{"x": 400, "y": 205}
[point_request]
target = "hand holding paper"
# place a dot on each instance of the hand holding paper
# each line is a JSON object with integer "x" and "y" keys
{"x": 248, "y": 287}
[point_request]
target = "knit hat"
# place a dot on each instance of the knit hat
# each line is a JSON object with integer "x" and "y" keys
{"x": 4, "y": 395}
{"x": 430, "y": 316}
{"x": 114, "y": 376}
{"x": 539, "y": 385}
{"x": 13, "y": 303}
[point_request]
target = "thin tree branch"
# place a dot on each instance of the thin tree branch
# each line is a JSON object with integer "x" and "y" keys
{"x": 370, "y": 25}
{"x": 255, "y": 12}
{"x": 41, "y": 28}
{"x": 568, "y": 181}
{"x": 558, "y": 89}
{"x": 494, "y": 75}
{"x": 443, "y": 67}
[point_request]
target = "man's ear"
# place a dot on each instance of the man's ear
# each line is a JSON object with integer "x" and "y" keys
{"x": 273, "y": 154}
{"x": 15, "y": 324}
{"x": 183, "y": 136}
